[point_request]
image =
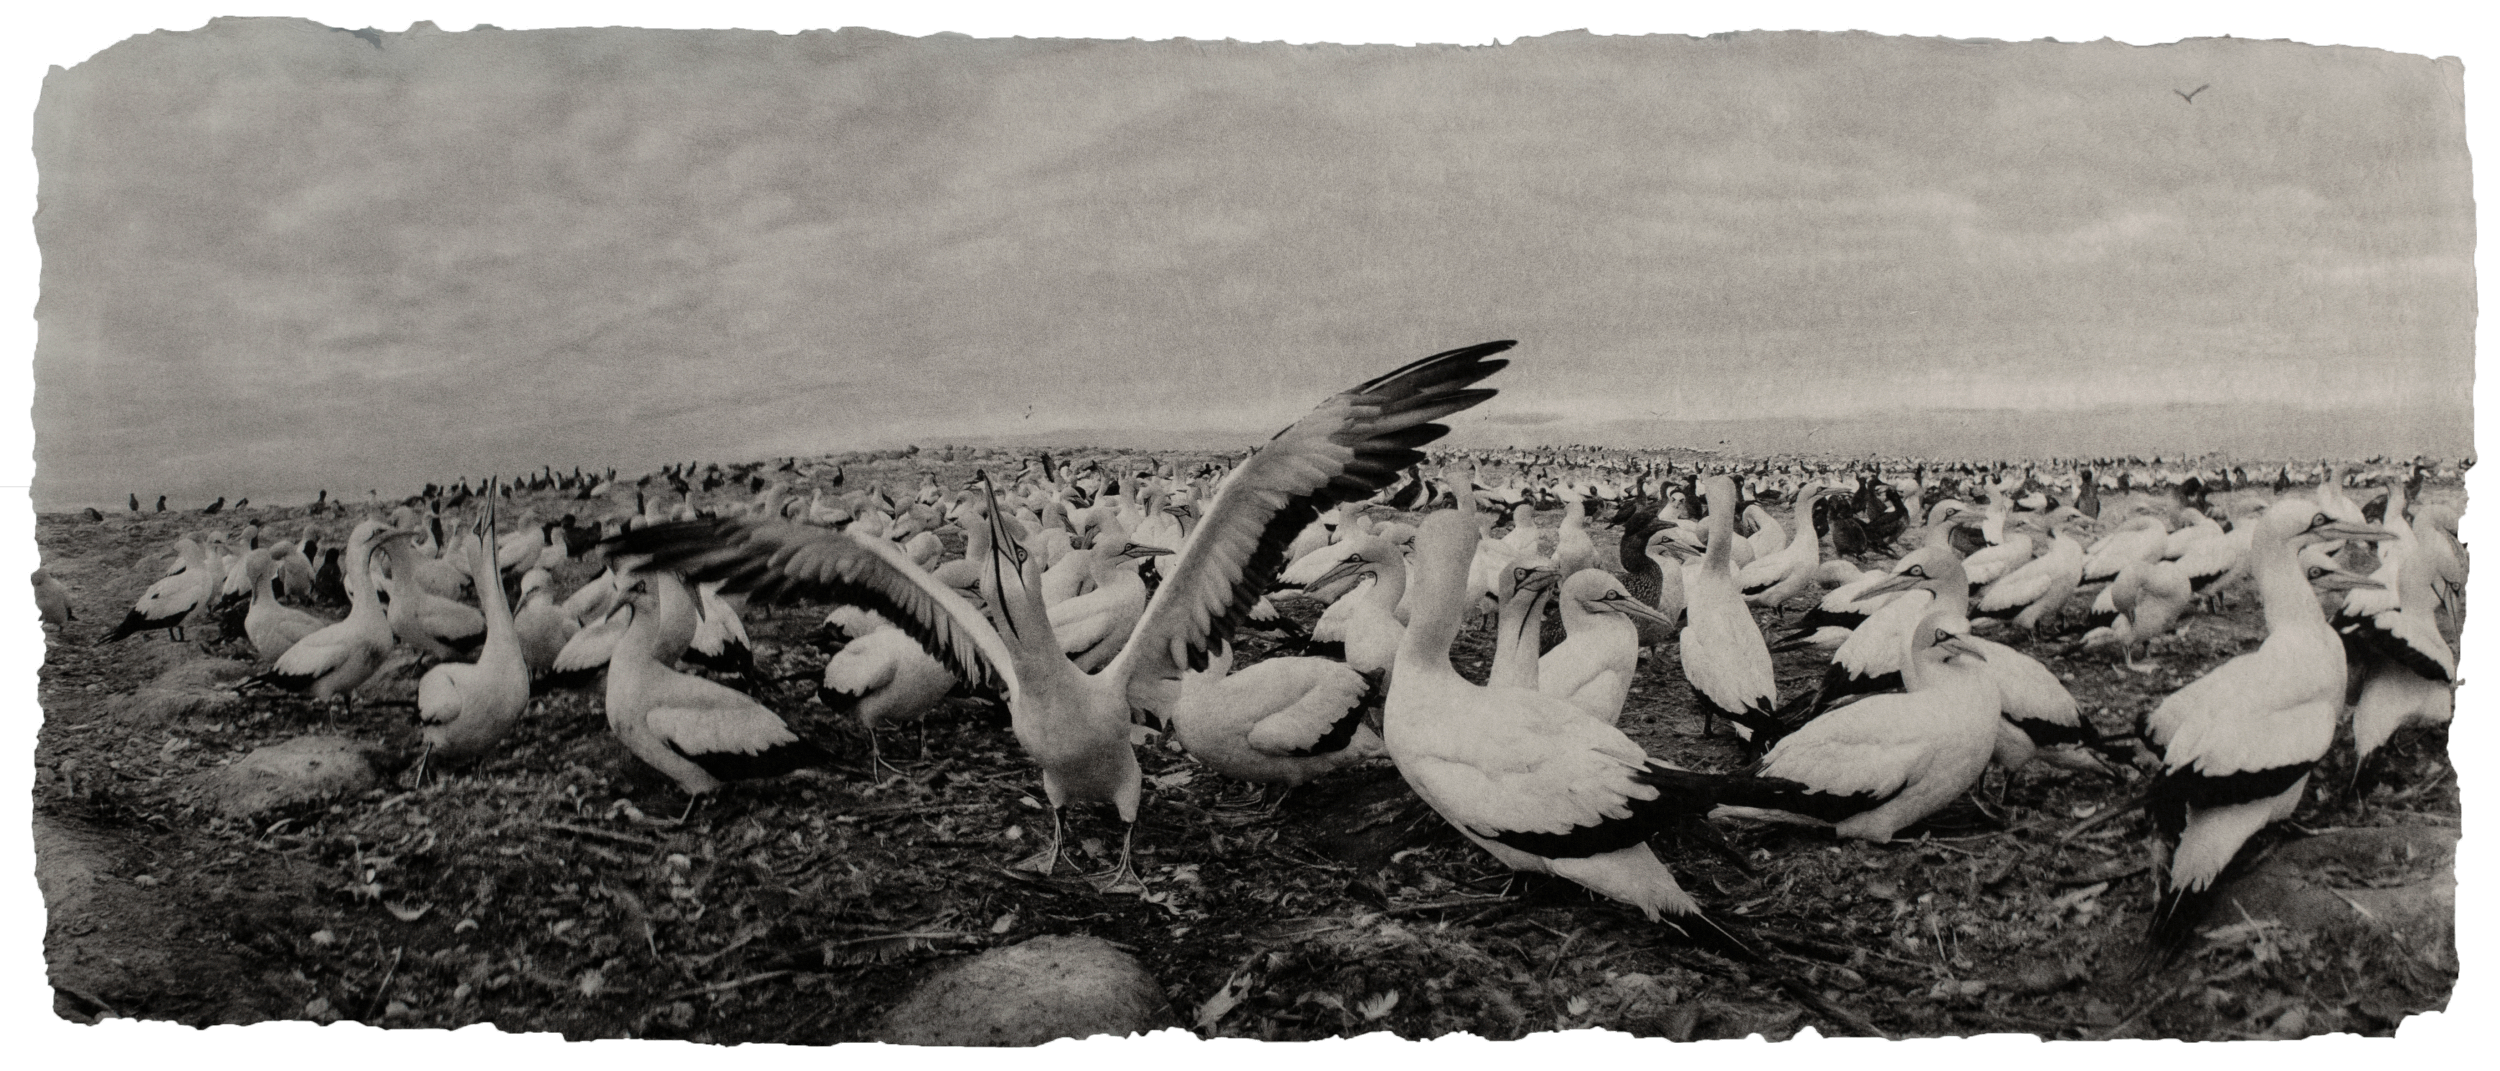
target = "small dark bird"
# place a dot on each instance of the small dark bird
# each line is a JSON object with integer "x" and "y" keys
{"x": 160, "y": 503}
{"x": 215, "y": 508}
{"x": 94, "y": 515}
{"x": 134, "y": 502}
{"x": 242, "y": 502}
{"x": 2190, "y": 95}
{"x": 329, "y": 584}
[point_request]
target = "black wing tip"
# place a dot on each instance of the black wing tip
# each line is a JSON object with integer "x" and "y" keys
{"x": 1460, "y": 366}
{"x": 771, "y": 762}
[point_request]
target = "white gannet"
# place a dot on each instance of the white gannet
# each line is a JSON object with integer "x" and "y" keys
{"x": 2237, "y": 744}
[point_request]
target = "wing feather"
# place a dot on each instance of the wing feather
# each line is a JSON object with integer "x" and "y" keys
{"x": 1333, "y": 693}
{"x": 1346, "y": 450}
{"x": 773, "y": 559}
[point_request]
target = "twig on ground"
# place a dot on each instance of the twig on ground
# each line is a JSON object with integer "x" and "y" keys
{"x": 586, "y": 831}
{"x": 723, "y": 987}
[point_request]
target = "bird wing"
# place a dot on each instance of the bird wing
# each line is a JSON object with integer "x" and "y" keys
{"x": 2409, "y": 638}
{"x": 1725, "y": 657}
{"x": 294, "y": 624}
{"x": 2026, "y": 690}
{"x": 320, "y": 652}
{"x": 1330, "y": 692}
{"x": 591, "y": 647}
{"x": 438, "y": 693}
{"x": 1871, "y": 748}
{"x": 1539, "y": 765}
{"x": 1346, "y": 450}
{"x": 771, "y": 558}
{"x": 715, "y": 721}
{"x": 2246, "y": 715}
{"x": 2020, "y": 587}
{"x": 1874, "y": 648}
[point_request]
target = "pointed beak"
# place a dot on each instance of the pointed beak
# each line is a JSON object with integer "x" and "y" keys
{"x": 1899, "y": 582}
{"x": 1637, "y": 608}
{"x": 2341, "y": 580}
{"x": 1140, "y": 550}
{"x": 1343, "y": 570}
{"x": 1960, "y": 646}
{"x": 2357, "y": 533}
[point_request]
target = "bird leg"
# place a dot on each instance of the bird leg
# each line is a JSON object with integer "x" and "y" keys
{"x": 1046, "y": 860}
{"x": 1237, "y": 802}
{"x": 1275, "y": 805}
{"x": 1123, "y": 878}
{"x": 876, "y": 756}
{"x": 422, "y": 758}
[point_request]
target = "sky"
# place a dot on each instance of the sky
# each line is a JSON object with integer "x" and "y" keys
{"x": 279, "y": 256}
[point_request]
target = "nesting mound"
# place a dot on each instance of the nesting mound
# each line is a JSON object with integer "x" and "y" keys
{"x": 198, "y": 688}
{"x": 1027, "y": 994}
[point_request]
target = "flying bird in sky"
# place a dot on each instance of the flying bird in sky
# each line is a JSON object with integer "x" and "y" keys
{"x": 2190, "y": 95}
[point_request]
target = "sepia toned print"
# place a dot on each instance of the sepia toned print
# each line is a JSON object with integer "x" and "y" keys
{"x": 733, "y": 536}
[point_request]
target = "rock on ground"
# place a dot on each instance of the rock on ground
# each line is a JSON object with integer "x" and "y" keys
{"x": 2388, "y": 880}
{"x": 1031, "y": 993}
{"x": 301, "y": 770}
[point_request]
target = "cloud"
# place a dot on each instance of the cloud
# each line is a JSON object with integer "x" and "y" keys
{"x": 422, "y": 257}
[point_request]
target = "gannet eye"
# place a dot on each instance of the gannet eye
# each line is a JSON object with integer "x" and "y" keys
{"x": 1919, "y": 571}
{"x": 2318, "y": 521}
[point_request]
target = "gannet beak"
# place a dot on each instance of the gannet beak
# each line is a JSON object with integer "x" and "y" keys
{"x": 1343, "y": 570}
{"x": 1140, "y": 550}
{"x": 1899, "y": 582}
{"x": 2341, "y": 580}
{"x": 2345, "y": 530}
{"x": 1961, "y": 646}
{"x": 1637, "y": 608}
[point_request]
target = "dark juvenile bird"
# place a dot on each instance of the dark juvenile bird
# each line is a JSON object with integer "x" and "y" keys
{"x": 134, "y": 502}
{"x": 93, "y": 515}
{"x": 160, "y": 503}
{"x": 216, "y": 507}
{"x": 329, "y": 583}
{"x": 2190, "y": 96}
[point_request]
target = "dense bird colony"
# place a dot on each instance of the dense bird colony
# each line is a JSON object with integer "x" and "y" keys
{"x": 1345, "y": 733}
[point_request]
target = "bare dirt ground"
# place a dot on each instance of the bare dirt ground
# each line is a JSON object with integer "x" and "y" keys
{"x": 553, "y": 888}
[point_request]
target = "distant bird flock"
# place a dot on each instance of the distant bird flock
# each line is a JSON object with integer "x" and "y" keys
{"x": 1103, "y": 607}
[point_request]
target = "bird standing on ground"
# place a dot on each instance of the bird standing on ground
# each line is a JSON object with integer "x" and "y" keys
{"x": 52, "y": 600}
{"x": 883, "y": 676}
{"x": 1725, "y": 657}
{"x": 1282, "y": 722}
{"x": 2238, "y": 743}
{"x": 334, "y": 662}
{"x": 2407, "y": 671}
{"x": 468, "y": 708}
{"x": 543, "y": 627}
{"x": 700, "y": 733}
{"x": 273, "y": 628}
{"x": 1875, "y": 766}
{"x": 1530, "y": 778}
{"x": 174, "y": 597}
